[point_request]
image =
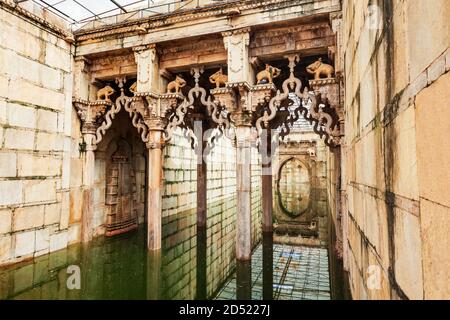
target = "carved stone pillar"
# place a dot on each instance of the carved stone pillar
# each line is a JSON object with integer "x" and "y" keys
{"x": 243, "y": 180}
{"x": 89, "y": 113}
{"x": 155, "y": 146}
{"x": 236, "y": 43}
{"x": 236, "y": 99}
{"x": 88, "y": 182}
{"x": 266, "y": 182}
{"x": 82, "y": 78}
{"x": 147, "y": 68}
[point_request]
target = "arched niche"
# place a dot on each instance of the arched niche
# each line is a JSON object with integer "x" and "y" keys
{"x": 120, "y": 177}
{"x": 294, "y": 187}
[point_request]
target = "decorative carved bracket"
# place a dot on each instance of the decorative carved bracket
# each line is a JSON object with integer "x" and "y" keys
{"x": 263, "y": 107}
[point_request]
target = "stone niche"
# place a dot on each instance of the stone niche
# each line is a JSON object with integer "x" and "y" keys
{"x": 119, "y": 188}
{"x": 299, "y": 193}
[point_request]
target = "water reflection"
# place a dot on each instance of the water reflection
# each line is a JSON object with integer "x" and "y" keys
{"x": 267, "y": 265}
{"x": 201, "y": 264}
{"x": 244, "y": 280}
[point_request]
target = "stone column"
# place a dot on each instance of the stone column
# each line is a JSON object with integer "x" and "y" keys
{"x": 239, "y": 77}
{"x": 243, "y": 188}
{"x": 266, "y": 181}
{"x": 201, "y": 175}
{"x": 148, "y": 83}
{"x": 88, "y": 131}
{"x": 155, "y": 146}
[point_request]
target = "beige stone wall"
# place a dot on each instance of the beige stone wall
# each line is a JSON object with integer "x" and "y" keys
{"x": 35, "y": 139}
{"x": 397, "y": 59}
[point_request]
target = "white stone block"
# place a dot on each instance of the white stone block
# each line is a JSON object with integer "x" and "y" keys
{"x": 33, "y": 94}
{"x": 4, "y": 86}
{"x": 57, "y": 58}
{"x": 39, "y": 191}
{"x": 34, "y": 165}
{"x": 28, "y": 217}
{"x": 52, "y": 79}
{"x": 74, "y": 233}
{"x": 5, "y": 248}
{"x": 52, "y": 214}
{"x": 58, "y": 241}
{"x": 64, "y": 219}
{"x": 8, "y": 164}
{"x": 5, "y": 221}
{"x": 49, "y": 141}
{"x": 19, "y": 139}
{"x": 24, "y": 243}
{"x": 11, "y": 192}
{"x": 42, "y": 240}
{"x": 47, "y": 120}
{"x": 3, "y": 109}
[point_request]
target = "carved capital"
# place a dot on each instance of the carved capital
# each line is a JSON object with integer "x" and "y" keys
{"x": 261, "y": 95}
{"x": 236, "y": 32}
{"x": 90, "y": 112}
{"x": 82, "y": 63}
{"x": 145, "y": 47}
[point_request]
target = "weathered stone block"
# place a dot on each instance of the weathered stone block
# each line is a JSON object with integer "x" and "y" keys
{"x": 19, "y": 139}
{"x": 21, "y": 116}
{"x": 33, "y": 94}
{"x": 47, "y": 120}
{"x": 5, "y": 248}
{"x": 402, "y": 143}
{"x": 52, "y": 213}
{"x": 34, "y": 165}
{"x": 42, "y": 240}
{"x": 432, "y": 115}
{"x": 8, "y": 167}
{"x": 39, "y": 191}
{"x": 24, "y": 243}
{"x": 65, "y": 212}
{"x": 5, "y": 221}
{"x": 74, "y": 234}
{"x": 58, "y": 58}
{"x": 58, "y": 241}
{"x": 432, "y": 42}
{"x": 408, "y": 254}
{"x": 11, "y": 192}
{"x": 435, "y": 220}
{"x": 28, "y": 218}
{"x": 49, "y": 141}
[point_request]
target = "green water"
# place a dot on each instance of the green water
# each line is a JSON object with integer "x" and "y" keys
{"x": 110, "y": 268}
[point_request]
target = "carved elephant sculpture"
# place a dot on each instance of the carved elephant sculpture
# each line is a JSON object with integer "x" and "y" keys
{"x": 219, "y": 79}
{"x": 176, "y": 85}
{"x": 268, "y": 74}
{"x": 319, "y": 69}
{"x": 104, "y": 93}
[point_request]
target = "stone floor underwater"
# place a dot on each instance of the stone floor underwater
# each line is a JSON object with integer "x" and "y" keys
{"x": 299, "y": 273}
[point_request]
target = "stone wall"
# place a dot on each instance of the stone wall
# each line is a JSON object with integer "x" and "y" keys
{"x": 35, "y": 137}
{"x": 397, "y": 59}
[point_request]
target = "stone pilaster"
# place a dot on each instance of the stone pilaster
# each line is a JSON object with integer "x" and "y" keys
{"x": 237, "y": 45}
{"x": 82, "y": 78}
{"x": 147, "y": 68}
